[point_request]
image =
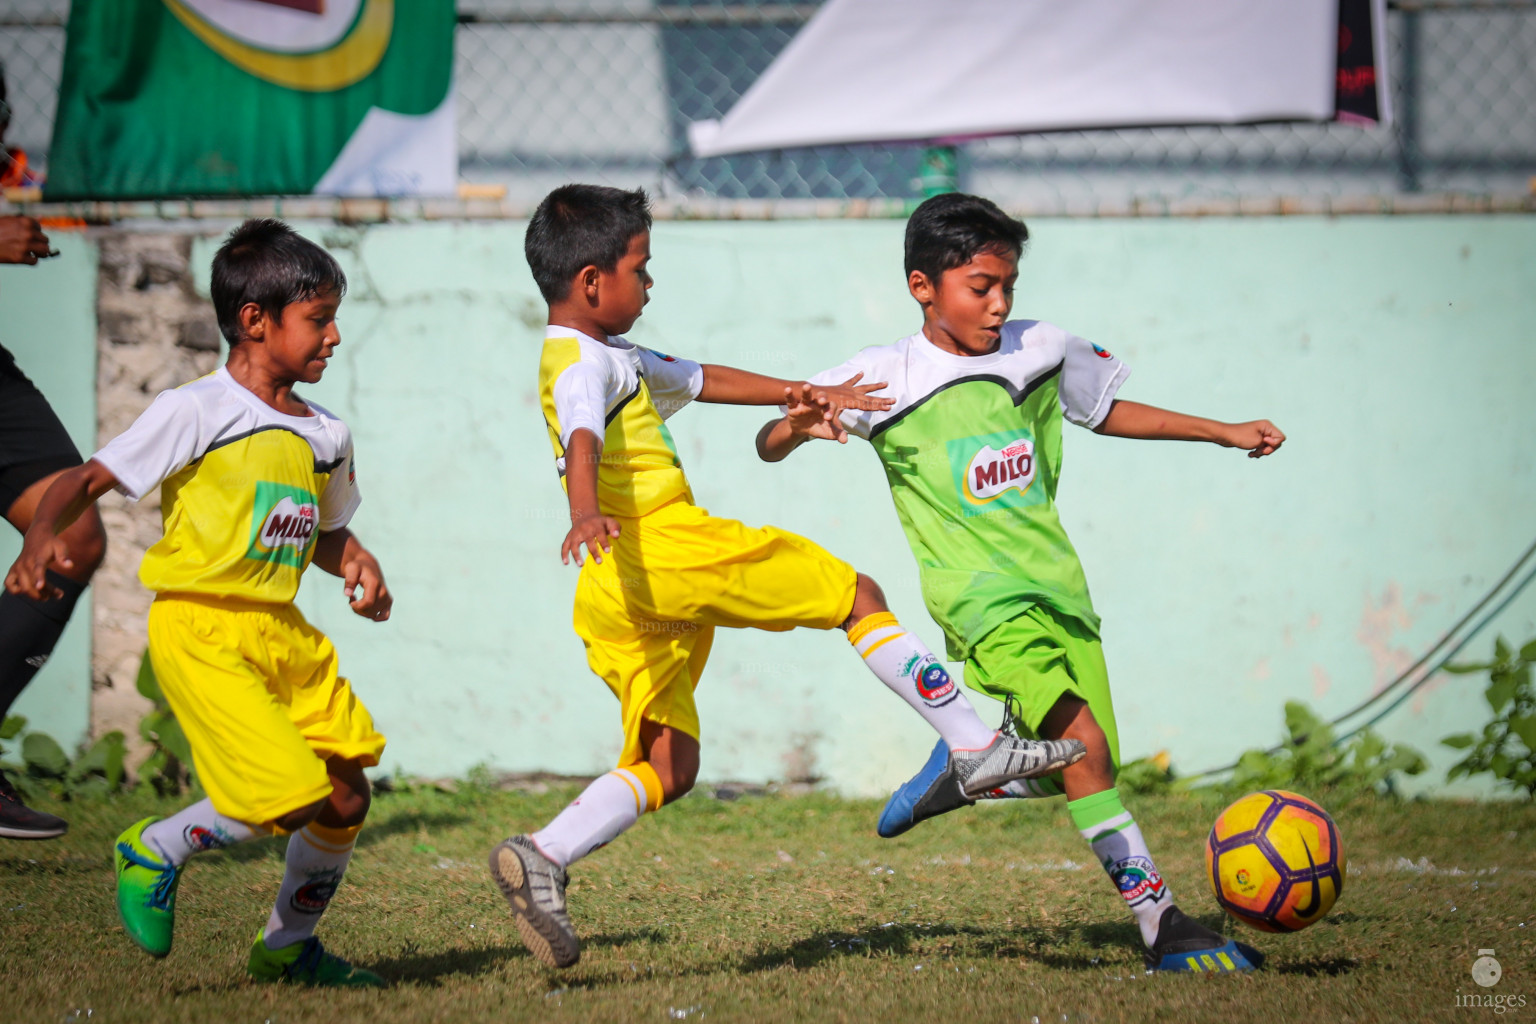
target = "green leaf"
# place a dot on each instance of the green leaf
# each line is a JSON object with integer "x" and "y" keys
{"x": 1460, "y": 741}
{"x": 170, "y": 736}
{"x": 1463, "y": 670}
{"x": 1524, "y": 726}
{"x": 1501, "y": 690}
{"x": 147, "y": 684}
{"x": 12, "y": 726}
{"x": 1528, "y": 652}
{"x": 43, "y": 755}
{"x": 103, "y": 760}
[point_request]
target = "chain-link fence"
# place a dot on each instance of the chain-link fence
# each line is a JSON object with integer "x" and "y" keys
{"x": 602, "y": 90}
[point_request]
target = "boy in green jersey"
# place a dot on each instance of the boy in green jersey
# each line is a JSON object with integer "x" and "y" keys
{"x": 972, "y": 453}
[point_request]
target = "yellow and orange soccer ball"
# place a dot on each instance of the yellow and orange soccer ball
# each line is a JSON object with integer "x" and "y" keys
{"x": 1274, "y": 861}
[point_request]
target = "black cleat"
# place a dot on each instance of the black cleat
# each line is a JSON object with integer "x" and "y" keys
{"x": 18, "y": 821}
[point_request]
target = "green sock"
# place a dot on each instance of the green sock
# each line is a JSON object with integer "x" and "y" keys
{"x": 1117, "y": 843}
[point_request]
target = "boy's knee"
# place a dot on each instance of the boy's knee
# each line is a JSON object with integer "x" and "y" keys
{"x": 351, "y": 796}
{"x": 678, "y": 782}
{"x": 868, "y": 599}
{"x": 297, "y": 819}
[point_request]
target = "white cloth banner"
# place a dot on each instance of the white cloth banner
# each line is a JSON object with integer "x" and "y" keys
{"x": 889, "y": 70}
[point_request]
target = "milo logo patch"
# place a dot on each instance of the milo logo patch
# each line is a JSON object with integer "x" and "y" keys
{"x": 284, "y": 521}
{"x": 993, "y": 472}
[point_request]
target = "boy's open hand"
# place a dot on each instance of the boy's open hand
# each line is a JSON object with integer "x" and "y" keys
{"x": 850, "y": 394}
{"x": 811, "y": 415}
{"x": 362, "y": 571}
{"x": 28, "y": 576}
{"x": 594, "y": 531}
{"x": 1259, "y": 437}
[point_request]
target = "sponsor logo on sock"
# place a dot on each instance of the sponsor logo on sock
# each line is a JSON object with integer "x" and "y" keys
{"x": 1138, "y": 880}
{"x": 203, "y": 838}
{"x": 315, "y": 895}
{"x": 933, "y": 683}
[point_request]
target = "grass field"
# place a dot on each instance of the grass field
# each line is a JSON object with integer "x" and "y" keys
{"x": 776, "y": 908}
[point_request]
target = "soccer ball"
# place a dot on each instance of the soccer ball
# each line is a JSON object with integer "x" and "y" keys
{"x": 1274, "y": 861}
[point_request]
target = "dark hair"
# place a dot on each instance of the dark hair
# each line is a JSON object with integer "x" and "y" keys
{"x": 948, "y": 231}
{"x": 266, "y": 262}
{"x": 581, "y": 226}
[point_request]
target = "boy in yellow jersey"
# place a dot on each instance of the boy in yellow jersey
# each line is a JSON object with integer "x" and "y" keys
{"x": 255, "y": 483}
{"x": 663, "y": 573}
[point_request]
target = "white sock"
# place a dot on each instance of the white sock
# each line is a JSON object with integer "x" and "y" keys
{"x": 604, "y": 810}
{"x": 1118, "y": 845}
{"x": 197, "y": 828}
{"x": 902, "y": 662}
{"x": 317, "y": 858}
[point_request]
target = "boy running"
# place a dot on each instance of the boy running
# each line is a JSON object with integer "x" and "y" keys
{"x": 663, "y": 573}
{"x": 255, "y": 483}
{"x": 972, "y": 452}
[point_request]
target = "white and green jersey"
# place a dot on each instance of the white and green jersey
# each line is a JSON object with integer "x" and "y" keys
{"x": 972, "y": 452}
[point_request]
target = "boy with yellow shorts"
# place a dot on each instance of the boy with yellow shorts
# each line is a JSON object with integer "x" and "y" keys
{"x": 255, "y": 484}
{"x": 663, "y": 573}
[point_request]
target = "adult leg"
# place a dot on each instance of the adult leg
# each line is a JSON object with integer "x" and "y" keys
{"x": 29, "y": 630}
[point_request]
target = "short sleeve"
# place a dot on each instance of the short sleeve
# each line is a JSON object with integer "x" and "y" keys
{"x": 1090, "y": 377}
{"x": 857, "y": 422}
{"x": 339, "y": 501}
{"x": 165, "y": 439}
{"x": 672, "y": 382}
{"x": 581, "y": 399}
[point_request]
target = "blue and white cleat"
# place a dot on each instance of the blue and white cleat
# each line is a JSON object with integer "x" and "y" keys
{"x": 952, "y": 779}
{"x": 1186, "y": 945}
{"x": 934, "y": 790}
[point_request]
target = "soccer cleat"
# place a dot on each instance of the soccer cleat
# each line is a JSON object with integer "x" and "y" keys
{"x": 307, "y": 963}
{"x": 931, "y": 792}
{"x": 18, "y": 821}
{"x": 146, "y": 891}
{"x": 936, "y": 788}
{"x": 1186, "y": 945}
{"x": 1008, "y": 758}
{"x": 535, "y": 887}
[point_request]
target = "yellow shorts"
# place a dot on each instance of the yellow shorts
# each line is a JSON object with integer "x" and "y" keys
{"x": 648, "y": 612}
{"x": 255, "y": 689}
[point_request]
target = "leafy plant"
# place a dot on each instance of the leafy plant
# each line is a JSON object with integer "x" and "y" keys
{"x": 1312, "y": 761}
{"x": 1147, "y": 775}
{"x": 44, "y": 767}
{"x": 1507, "y": 748}
{"x": 169, "y": 766}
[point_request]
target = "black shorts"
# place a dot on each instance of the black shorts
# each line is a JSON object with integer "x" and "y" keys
{"x": 33, "y": 443}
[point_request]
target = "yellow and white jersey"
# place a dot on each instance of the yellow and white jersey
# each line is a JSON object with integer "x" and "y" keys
{"x": 624, "y": 394}
{"x": 245, "y": 489}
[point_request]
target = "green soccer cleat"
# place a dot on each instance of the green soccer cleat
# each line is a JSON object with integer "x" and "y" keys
{"x": 146, "y": 891}
{"x": 307, "y": 963}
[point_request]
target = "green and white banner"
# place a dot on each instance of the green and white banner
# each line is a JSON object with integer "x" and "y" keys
{"x": 241, "y": 97}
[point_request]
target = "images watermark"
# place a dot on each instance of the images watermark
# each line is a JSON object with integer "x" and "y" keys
{"x": 1487, "y": 973}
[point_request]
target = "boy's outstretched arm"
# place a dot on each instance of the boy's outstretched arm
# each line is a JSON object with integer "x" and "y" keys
{"x": 1132, "y": 419}
{"x": 588, "y": 524}
{"x": 726, "y": 385}
{"x": 340, "y": 553}
{"x": 70, "y": 495}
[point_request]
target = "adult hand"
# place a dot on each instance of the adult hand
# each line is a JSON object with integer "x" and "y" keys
{"x": 22, "y": 240}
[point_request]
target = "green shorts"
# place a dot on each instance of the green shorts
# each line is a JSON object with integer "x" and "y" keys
{"x": 1035, "y": 659}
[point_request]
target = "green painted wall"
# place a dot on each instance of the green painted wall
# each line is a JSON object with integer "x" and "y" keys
{"x": 1396, "y": 352}
{"x": 48, "y": 321}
